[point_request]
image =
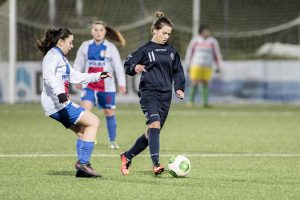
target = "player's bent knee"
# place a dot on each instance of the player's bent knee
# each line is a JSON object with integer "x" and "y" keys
{"x": 155, "y": 124}
{"x": 109, "y": 112}
{"x": 89, "y": 119}
{"x": 96, "y": 121}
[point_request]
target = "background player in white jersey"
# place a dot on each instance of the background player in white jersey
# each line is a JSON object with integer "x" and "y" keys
{"x": 57, "y": 74}
{"x": 97, "y": 55}
{"x": 203, "y": 50}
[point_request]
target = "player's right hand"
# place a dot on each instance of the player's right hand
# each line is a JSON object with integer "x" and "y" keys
{"x": 139, "y": 69}
{"x": 105, "y": 75}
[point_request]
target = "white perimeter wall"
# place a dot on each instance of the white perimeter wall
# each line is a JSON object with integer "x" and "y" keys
{"x": 28, "y": 83}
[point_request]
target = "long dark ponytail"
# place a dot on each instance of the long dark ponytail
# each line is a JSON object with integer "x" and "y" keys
{"x": 50, "y": 39}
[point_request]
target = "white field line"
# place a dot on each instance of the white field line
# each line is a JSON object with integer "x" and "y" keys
{"x": 162, "y": 155}
{"x": 185, "y": 113}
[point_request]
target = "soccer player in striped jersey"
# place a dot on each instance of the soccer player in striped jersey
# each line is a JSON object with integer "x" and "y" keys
{"x": 161, "y": 69}
{"x": 57, "y": 74}
{"x": 97, "y": 55}
{"x": 203, "y": 50}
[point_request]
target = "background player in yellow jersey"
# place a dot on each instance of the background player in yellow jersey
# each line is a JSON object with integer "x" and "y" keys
{"x": 202, "y": 52}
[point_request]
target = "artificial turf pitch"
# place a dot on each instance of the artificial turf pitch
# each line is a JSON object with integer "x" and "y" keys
{"x": 236, "y": 152}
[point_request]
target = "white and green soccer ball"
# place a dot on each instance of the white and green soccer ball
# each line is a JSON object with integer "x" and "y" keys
{"x": 179, "y": 166}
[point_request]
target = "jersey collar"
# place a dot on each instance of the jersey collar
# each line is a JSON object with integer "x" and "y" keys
{"x": 59, "y": 50}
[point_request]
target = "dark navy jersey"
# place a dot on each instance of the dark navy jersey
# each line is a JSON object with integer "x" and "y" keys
{"x": 163, "y": 66}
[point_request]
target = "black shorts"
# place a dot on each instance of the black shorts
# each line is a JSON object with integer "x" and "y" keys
{"x": 155, "y": 105}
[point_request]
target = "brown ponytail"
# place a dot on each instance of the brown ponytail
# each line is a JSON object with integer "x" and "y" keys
{"x": 112, "y": 33}
{"x": 50, "y": 39}
{"x": 159, "y": 14}
{"x": 161, "y": 21}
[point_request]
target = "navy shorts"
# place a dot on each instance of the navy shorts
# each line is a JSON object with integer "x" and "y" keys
{"x": 104, "y": 100}
{"x": 155, "y": 105}
{"x": 69, "y": 115}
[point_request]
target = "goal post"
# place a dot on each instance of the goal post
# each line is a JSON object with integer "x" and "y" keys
{"x": 12, "y": 50}
{"x": 196, "y": 16}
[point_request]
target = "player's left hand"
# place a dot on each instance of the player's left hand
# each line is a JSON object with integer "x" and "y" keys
{"x": 122, "y": 89}
{"x": 180, "y": 94}
{"x": 105, "y": 75}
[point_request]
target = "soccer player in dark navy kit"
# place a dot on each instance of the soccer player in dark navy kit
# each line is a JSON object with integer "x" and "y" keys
{"x": 160, "y": 66}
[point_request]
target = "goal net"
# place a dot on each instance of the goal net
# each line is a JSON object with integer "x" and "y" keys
{"x": 241, "y": 26}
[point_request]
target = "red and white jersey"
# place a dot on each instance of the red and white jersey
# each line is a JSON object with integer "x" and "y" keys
{"x": 203, "y": 52}
{"x": 57, "y": 74}
{"x": 92, "y": 57}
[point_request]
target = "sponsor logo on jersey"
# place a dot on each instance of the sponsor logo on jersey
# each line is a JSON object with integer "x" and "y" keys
{"x": 96, "y": 63}
{"x": 160, "y": 50}
{"x": 65, "y": 77}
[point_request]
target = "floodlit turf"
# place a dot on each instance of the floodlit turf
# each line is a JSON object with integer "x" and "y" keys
{"x": 236, "y": 152}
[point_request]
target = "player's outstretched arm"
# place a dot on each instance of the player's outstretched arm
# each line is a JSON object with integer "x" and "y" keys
{"x": 80, "y": 78}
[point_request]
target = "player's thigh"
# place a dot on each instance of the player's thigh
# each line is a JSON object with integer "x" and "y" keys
{"x": 164, "y": 107}
{"x": 88, "y": 119}
{"x": 150, "y": 107}
{"x": 87, "y": 104}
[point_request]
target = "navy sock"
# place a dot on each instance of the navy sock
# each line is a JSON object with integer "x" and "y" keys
{"x": 86, "y": 152}
{"x": 111, "y": 124}
{"x": 139, "y": 146}
{"x": 78, "y": 146}
{"x": 154, "y": 144}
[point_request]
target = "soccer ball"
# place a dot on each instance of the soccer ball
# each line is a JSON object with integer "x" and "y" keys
{"x": 179, "y": 166}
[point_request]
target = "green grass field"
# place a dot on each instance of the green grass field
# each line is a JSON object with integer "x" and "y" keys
{"x": 237, "y": 152}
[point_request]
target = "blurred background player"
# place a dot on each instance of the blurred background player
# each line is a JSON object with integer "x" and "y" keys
{"x": 97, "y": 55}
{"x": 203, "y": 50}
{"x": 57, "y": 74}
{"x": 160, "y": 66}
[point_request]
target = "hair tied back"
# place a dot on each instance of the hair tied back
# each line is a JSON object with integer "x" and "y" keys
{"x": 159, "y": 14}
